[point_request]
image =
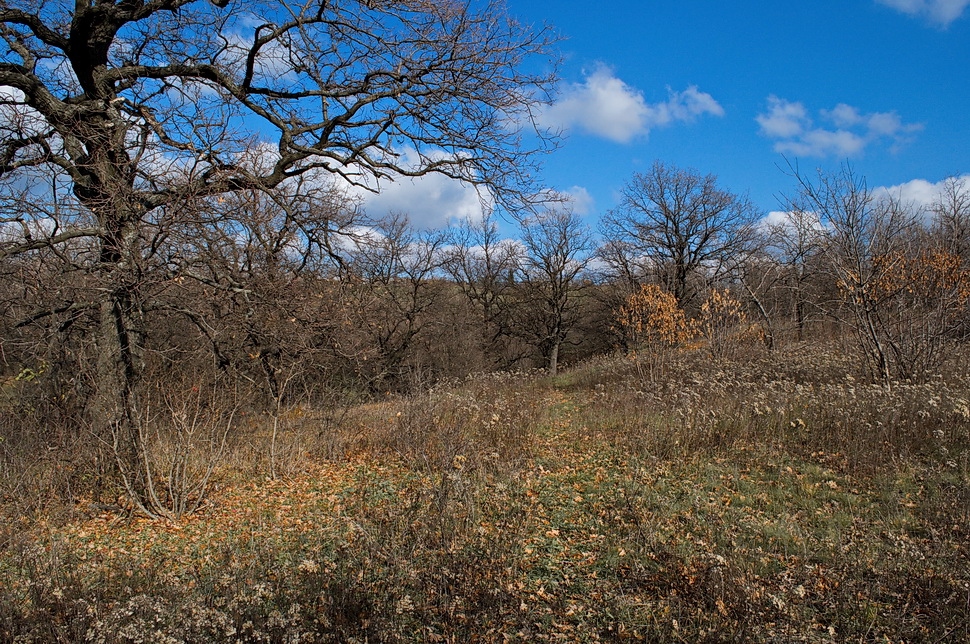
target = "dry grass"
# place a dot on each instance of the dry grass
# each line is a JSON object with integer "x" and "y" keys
{"x": 776, "y": 500}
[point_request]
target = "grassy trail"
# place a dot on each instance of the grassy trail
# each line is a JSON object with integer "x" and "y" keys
{"x": 527, "y": 510}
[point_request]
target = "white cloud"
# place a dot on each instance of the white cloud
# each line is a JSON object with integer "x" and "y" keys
{"x": 580, "y": 199}
{"x": 820, "y": 142}
{"x": 844, "y": 132}
{"x": 843, "y": 115}
{"x": 941, "y": 12}
{"x": 429, "y": 201}
{"x": 686, "y": 106}
{"x": 776, "y": 218}
{"x": 604, "y": 105}
{"x": 784, "y": 119}
{"x": 790, "y": 222}
{"x": 918, "y": 193}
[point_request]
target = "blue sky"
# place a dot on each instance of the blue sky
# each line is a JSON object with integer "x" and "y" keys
{"x": 733, "y": 88}
{"x": 738, "y": 88}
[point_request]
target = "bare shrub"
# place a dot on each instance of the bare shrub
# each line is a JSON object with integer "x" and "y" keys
{"x": 923, "y": 302}
{"x": 183, "y": 434}
{"x": 724, "y": 324}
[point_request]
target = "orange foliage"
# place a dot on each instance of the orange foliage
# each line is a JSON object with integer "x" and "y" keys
{"x": 653, "y": 325}
{"x": 928, "y": 275}
{"x": 652, "y": 318}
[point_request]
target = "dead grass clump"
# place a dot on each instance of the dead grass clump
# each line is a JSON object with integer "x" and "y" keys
{"x": 485, "y": 425}
{"x": 811, "y": 404}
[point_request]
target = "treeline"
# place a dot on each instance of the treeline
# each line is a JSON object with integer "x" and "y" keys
{"x": 299, "y": 302}
{"x": 299, "y": 299}
{"x": 279, "y": 303}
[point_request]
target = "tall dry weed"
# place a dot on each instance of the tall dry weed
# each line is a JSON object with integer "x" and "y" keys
{"x": 800, "y": 402}
{"x": 487, "y": 423}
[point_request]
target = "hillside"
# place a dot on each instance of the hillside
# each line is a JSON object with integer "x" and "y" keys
{"x": 775, "y": 500}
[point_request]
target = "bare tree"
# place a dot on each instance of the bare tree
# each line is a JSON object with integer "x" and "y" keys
{"x": 795, "y": 242}
{"x": 395, "y": 267}
{"x": 952, "y": 216}
{"x": 483, "y": 264}
{"x": 674, "y": 225}
{"x": 124, "y": 116}
{"x": 759, "y": 276}
{"x": 557, "y": 249}
{"x": 865, "y": 237}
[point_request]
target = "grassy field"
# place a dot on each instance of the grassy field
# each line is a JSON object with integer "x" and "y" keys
{"x": 778, "y": 499}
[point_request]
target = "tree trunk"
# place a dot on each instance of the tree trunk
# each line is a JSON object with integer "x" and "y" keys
{"x": 120, "y": 350}
{"x": 116, "y": 411}
{"x": 554, "y": 358}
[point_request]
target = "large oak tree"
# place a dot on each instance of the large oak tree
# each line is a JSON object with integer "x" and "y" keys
{"x": 122, "y": 119}
{"x": 673, "y": 225}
